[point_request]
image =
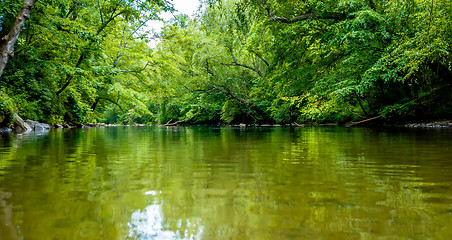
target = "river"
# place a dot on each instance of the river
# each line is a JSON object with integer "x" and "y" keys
{"x": 226, "y": 183}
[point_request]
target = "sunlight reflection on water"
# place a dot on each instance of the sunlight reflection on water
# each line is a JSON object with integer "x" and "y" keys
{"x": 149, "y": 224}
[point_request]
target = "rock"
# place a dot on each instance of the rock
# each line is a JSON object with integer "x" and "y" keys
{"x": 2, "y": 130}
{"x": 20, "y": 125}
{"x": 38, "y": 126}
{"x": 58, "y": 126}
{"x": 440, "y": 124}
{"x": 95, "y": 124}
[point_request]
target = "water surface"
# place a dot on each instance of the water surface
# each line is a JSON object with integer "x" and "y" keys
{"x": 226, "y": 183}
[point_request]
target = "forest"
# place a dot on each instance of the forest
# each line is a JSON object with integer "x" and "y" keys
{"x": 235, "y": 61}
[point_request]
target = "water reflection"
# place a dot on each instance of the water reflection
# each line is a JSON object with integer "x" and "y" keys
{"x": 8, "y": 230}
{"x": 226, "y": 183}
{"x": 149, "y": 224}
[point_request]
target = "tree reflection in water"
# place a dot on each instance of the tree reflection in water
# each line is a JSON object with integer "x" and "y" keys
{"x": 7, "y": 229}
{"x": 196, "y": 183}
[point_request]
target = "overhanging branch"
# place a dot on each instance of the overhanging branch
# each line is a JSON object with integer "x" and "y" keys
{"x": 235, "y": 63}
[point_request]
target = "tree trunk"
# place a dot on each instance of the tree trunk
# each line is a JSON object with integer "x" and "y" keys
{"x": 7, "y": 42}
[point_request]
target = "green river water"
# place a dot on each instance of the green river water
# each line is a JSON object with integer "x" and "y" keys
{"x": 226, "y": 183}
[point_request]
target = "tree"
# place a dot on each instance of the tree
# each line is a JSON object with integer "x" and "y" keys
{"x": 60, "y": 79}
{"x": 237, "y": 61}
{"x": 8, "y": 41}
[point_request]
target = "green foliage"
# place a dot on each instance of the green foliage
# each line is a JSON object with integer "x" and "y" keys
{"x": 373, "y": 58}
{"x": 74, "y": 59}
{"x": 7, "y": 109}
{"x": 238, "y": 61}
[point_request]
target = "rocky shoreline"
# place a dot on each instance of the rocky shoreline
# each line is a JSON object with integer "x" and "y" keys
{"x": 434, "y": 124}
{"x": 30, "y": 125}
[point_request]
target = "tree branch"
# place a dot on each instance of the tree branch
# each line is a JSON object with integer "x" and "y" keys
{"x": 235, "y": 63}
{"x": 122, "y": 45}
{"x": 208, "y": 68}
{"x": 227, "y": 92}
{"x": 397, "y": 108}
{"x": 100, "y": 12}
{"x": 135, "y": 75}
{"x": 243, "y": 101}
{"x": 85, "y": 51}
{"x": 191, "y": 73}
{"x": 261, "y": 58}
{"x": 169, "y": 124}
{"x": 139, "y": 27}
{"x": 308, "y": 16}
{"x": 70, "y": 77}
{"x": 115, "y": 103}
{"x": 105, "y": 24}
{"x": 137, "y": 71}
{"x": 360, "y": 100}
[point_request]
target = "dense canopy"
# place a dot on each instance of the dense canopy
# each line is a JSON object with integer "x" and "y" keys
{"x": 236, "y": 61}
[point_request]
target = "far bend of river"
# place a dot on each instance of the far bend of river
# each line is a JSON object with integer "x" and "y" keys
{"x": 226, "y": 183}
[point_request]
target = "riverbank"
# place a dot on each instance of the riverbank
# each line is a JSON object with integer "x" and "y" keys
{"x": 421, "y": 124}
{"x": 429, "y": 124}
{"x": 66, "y": 126}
